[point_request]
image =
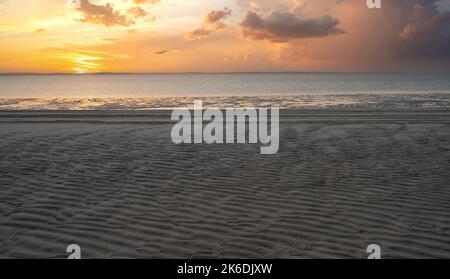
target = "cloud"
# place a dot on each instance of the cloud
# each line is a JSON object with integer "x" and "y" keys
{"x": 160, "y": 52}
{"x": 413, "y": 32}
{"x": 404, "y": 35}
{"x": 427, "y": 24}
{"x": 106, "y": 14}
{"x": 137, "y": 12}
{"x": 197, "y": 34}
{"x": 212, "y": 22}
{"x": 103, "y": 14}
{"x": 282, "y": 27}
{"x": 267, "y": 6}
{"x": 214, "y": 18}
{"x": 139, "y": 2}
{"x": 427, "y": 35}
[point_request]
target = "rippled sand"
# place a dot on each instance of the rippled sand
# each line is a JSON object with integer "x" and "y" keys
{"x": 115, "y": 184}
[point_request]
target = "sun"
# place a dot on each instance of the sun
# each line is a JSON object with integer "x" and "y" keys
{"x": 79, "y": 71}
{"x": 81, "y": 63}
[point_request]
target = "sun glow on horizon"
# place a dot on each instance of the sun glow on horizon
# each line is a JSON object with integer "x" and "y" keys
{"x": 86, "y": 63}
{"x": 222, "y": 36}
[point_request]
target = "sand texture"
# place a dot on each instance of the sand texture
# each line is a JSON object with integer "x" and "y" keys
{"x": 114, "y": 183}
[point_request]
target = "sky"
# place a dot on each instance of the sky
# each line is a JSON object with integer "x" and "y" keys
{"x": 145, "y": 36}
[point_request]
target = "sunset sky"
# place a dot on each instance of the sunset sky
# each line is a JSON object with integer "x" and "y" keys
{"x": 223, "y": 36}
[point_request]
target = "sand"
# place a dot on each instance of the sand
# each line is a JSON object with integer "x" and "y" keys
{"x": 114, "y": 183}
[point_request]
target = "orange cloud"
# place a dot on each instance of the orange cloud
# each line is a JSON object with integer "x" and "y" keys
{"x": 199, "y": 33}
{"x": 138, "y": 2}
{"x": 102, "y": 14}
{"x": 137, "y": 12}
{"x": 108, "y": 16}
{"x": 214, "y": 18}
{"x": 212, "y": 22}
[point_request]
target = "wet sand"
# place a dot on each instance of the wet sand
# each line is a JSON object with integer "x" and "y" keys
{"x": 114, "y": 183}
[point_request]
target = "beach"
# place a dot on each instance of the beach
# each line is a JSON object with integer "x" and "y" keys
{"x": 115, "y": 184}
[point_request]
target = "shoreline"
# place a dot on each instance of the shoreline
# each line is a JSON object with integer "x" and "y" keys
{"x": 286, "y": 115}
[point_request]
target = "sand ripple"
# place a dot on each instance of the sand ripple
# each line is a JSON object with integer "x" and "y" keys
{"x": 124, "y": 190}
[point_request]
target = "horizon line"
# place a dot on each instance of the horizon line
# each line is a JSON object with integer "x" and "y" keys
{"x": 235, "y": 72}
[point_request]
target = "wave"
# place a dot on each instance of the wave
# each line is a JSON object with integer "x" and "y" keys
{"x": 304, "y": 101}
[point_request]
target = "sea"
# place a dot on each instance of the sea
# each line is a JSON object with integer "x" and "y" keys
{"x": 221, "y": 90}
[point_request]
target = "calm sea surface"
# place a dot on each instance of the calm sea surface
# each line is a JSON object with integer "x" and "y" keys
{"x": 156, "y": 91}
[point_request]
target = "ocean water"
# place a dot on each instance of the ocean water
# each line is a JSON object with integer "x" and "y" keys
{"x": 284, "y": 90}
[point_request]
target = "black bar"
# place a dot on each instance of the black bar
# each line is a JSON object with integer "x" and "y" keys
{"x": 170, "y": 268}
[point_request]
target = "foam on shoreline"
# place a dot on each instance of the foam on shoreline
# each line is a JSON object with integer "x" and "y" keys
{"x": 294, "y": 101}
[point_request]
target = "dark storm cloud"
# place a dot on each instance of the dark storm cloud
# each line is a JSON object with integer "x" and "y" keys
{"x": 427, "y": 34}
{"x": 281, "y": 27}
